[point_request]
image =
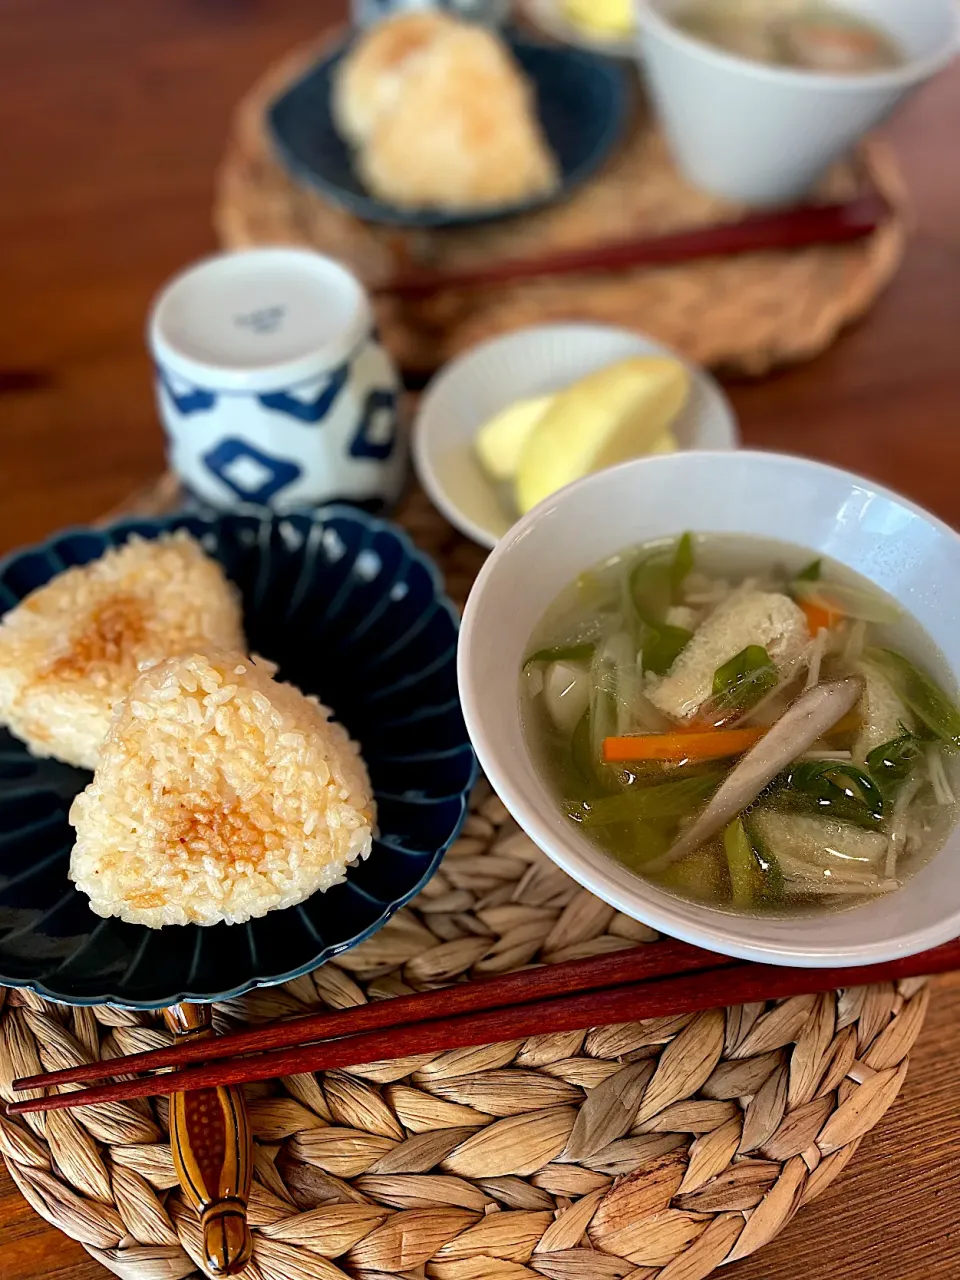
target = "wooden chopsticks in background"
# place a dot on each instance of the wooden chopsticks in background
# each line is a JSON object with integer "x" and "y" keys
{"x": 786, "y": 229}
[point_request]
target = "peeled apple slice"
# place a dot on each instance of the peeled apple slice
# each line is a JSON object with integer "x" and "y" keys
{"x": 617, "y": 413}
{"x": 609, "y": 17}
{"x": 500, "y": 441}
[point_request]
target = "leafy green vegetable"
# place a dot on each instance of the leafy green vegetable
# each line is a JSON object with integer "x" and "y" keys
{"x": 701, "y": 875}
{"x": 593, "y": 589}
{"x": 640, "y": 843}
{"x": 755, "y": 879}
{"x": 810, "y": 573}
{"x": 581, "y": 753}
{"x": 661, "y": 644}
{"x": 654, "y": 585}
{"x": 923, "y": 696}
{"x": 682, "y": 563}
{"x": 562, "y": 653}
{"x": 655, "y": 582}
{"x": 609, "y": 673}
{"x": 891, "y": 763}
{"x": 743, "y": 680}
{"x": 651, "y": 587}
{"x": 671, "y": 799}
{"x": 741, "y": 863}
{"x": 578, "y": 770}
{"x": 832, "y": 789}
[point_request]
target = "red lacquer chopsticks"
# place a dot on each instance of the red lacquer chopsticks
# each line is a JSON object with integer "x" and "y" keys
{"x": 634, "y": 964}
{"x": 786, "y": 229}
{"x": 669, "y": 994}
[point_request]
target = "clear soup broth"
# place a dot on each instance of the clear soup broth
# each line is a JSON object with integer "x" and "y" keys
{"x": 809, "y": 35}
{"x": 744, "y": 725}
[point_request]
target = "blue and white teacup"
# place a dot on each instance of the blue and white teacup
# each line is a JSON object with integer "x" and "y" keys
{"x": 273, "y": 386}
{"x": 366, "y": 12}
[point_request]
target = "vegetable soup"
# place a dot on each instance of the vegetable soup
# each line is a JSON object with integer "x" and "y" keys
{"x": 809, "y": 35}
{"x": 742, "y": 725}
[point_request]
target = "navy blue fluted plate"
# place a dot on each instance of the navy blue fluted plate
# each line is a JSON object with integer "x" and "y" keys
{"x": 581, "y": 101}
{"x": 351, "y": 611}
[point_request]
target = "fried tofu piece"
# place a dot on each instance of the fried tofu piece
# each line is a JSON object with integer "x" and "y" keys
{"x": 747, "y": 616}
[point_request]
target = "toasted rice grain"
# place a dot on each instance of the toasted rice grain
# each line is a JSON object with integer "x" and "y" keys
{"x": 220, "y": 794}
{"x": 71, "y": 650}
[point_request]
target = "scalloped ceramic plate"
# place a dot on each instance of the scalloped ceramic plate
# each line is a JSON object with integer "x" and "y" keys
{"x": 350, "y": 611}
{"x": 581, "y": 101}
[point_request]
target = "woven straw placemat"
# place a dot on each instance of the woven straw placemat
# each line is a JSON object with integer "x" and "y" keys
{"x": 656, "y": 1149}
{"x": 747, "y": 313}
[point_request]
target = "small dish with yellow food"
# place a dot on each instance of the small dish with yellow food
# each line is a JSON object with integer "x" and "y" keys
{"x": 605, "y": 26}
{"x": 518, "y": 417}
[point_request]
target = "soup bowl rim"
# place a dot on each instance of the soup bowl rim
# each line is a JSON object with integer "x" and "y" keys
{"x": 652, "y": 20}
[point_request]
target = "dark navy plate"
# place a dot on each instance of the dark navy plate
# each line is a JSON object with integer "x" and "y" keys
{"x": 350, "y": 611}
{"x": 581, "y": 101}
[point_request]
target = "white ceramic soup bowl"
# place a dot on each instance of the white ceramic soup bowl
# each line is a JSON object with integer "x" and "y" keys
{"x": 765, "y": 134}
{"x": 892, "y": 542}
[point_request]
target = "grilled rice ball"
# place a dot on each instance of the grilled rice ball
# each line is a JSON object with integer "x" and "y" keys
{"x": 368, "y": 81}
{"x": 71, "y": 649}
{"x": 221, "y": 794}
{"x": 463, "y": 133}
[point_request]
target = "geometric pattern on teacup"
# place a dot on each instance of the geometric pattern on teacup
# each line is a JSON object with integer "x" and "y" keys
{"x": 254, "y": 476}
{"x": 310, "y": 401}
{"x": 376, "y": 432}
{"x": 185, "y": 395}
{"x": 366, "y": 12}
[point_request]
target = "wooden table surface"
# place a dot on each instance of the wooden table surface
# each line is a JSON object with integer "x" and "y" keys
{"x": 112, "y": 117}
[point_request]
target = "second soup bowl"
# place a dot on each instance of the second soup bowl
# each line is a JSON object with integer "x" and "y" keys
{"x": 908, "y": 553}
{"x": 765, "y": 134}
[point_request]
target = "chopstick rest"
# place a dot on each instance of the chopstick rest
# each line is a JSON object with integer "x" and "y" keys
{"x": 212, "y": 1152}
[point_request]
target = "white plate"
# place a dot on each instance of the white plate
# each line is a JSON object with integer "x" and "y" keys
{"x": 550, "y": 18}
{"x": 468, "y": 391}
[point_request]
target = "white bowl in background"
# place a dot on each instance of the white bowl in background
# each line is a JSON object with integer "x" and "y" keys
{"x": 903, "y": 549}
{"x": 765, "y": 134}
{"x": 469, "y": 390}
